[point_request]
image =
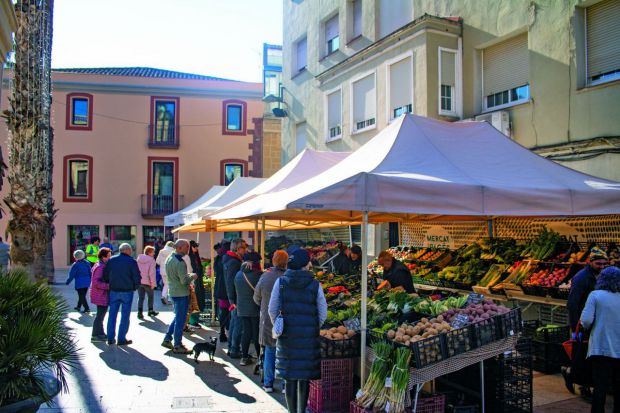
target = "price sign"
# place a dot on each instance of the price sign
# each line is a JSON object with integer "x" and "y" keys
{"x": 359, "y": 394}
{"x": 387, "y": 407}
{"x": 474, "y": 298}
{"x": 388, "y": 382}
{"x": 459, "y": 321}
{"x": 353, "y": 324}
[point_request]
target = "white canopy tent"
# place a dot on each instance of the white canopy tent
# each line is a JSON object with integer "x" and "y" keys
{"x": 420, "y": 168}
{"x": 177, "y": 218}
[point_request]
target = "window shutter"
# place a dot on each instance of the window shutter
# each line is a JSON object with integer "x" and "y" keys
{"x": 301, "y": 54}
{"x": 331, "y": 28}
{"x": 364, "y": 99}
{"x": 357, "y": 18}
{"x": 603, "y": 37}
{"x": 447, "y": 68}
{"x": 506, "y": 65}
{"x": 334, "y": 111}
{"x": 300, "y": 137}
{"x": 400, "y": 83}
{"x": 394, "y": 14}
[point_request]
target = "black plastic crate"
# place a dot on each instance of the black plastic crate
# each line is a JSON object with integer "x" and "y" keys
{"x": 559, "y": 293}
{"x": 336, "y": 349}
{"x": 529, "y": 328}
{"x": 485, "y": 332}
{"x": 459, "y": 341}
{"x": 429, "y": 351}
{"x": 556, "y": 335}
{"x": 463, "y": 409}
{"x": 548, "y": 358}
{"x": 509, "y": 324}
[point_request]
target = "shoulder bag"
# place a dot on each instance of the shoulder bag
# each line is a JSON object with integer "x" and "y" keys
{"x": 278, "y": 323}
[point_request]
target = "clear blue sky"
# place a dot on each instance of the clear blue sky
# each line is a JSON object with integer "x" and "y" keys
{"x": 221, "y": 38}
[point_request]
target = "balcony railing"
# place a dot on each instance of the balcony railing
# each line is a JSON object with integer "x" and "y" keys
{"x": 158, "y": 206}
{"x": 163, "y": 137}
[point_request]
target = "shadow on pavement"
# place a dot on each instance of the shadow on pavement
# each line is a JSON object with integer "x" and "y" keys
{"x": 81, "y": 318}
{"x": 131, "y": 362}
{"x": 215, "y": 376}
{"x": 153, "y": 323}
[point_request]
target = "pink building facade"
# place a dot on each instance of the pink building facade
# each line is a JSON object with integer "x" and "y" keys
{"x": 132, "y": 145}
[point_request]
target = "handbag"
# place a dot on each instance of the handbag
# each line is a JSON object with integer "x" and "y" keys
{"x": 577, "y": 350}
{"x": 278, "y": 323}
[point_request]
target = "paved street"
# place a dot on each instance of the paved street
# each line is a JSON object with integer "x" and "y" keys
{"x": 146, "y": 377}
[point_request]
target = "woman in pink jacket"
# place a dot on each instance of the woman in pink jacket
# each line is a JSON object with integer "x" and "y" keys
{"x": 146, "y": 264}
{"x": 99, "y": 290}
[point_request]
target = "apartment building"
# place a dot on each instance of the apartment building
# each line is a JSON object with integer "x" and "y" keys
{"x": 132, "y": 145}
{"x": 545, "y": 73}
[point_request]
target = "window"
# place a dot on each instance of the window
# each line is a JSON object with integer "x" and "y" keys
{"x": 120, "y": 234}
{"x": 447, "y": 82}
{"x": 332, "y": 35}
{"x": 79, "y": 111}
{"x": 78, "y": 178}
{"x": 163, "y": 186}
{"x": 393, "y": 14}
{"x": 79, "y": 237}
{"x": 400, "y": 78}
{"x": 602, "y": 42}
{"x": 356, "y": 20}
{"x": 164, "y": 122}
{"x": 300, "y": 137}
{"x": 300, "y": 56}
{"x": 231, "y": 169}
{"x": 155, "y": 236}
{"x": 272, "y": 55}
{"x": 505, "y": 73}
{"x": 271, "y": 83}
{"x": 364, "y": 103}
{"x": 334, "y": 115}
{"x": 234, "y": 117}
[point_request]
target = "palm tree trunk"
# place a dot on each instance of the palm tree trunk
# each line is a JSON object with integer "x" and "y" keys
{"x": 30, "y": 200}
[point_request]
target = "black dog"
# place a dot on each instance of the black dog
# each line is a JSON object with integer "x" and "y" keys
{"x": 206, "y": 347}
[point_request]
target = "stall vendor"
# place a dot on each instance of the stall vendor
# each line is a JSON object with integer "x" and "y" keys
{"x": 355, "y": 256}
{"x": 583, "y": 284}
{"x": 395, "y": 272}
{"x": 340, "y": 263}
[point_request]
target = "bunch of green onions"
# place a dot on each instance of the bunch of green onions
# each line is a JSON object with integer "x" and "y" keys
{"x": 378, "y": 372}
{"x": 400, "y": 380}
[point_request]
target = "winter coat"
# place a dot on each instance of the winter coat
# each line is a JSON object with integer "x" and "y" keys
{"x": 196, "y": 263}
{"x": 5, "y": 250}
{"x": 146, "y": 264}
{"x": 246, "y": 307}
{"x": 399, "y": 276}
{"x": 232, "y": 265}
{"x": 99, "y": 289}
{"x": 340, "y": 264}
{"x": 178, "y": 277}
{"x": 582, "y": 285}
{"x": 220, "y": 283}
{"x": 80, "y": 272}
{"x": 601, "y": 315}
{"x": 122, "y": 273}
{"x": 262, "y": 295}
{"x": 161, "y": 259}
{"x": 300, "y": 298}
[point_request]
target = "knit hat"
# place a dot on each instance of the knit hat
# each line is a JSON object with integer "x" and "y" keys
{"x": 597, "y": 254}
{"x": 252, "y": 256}
{"x": 297, "y": 257}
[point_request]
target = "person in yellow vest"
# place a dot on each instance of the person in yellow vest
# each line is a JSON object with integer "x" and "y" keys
{"x": 92, "y": 250}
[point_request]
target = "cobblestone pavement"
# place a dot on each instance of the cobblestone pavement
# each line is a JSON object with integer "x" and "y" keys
{"x": 145, "y": 377}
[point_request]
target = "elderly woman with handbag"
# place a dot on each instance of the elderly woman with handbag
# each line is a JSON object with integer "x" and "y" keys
{"x": 601, "y": 316}
{"x": 298, "y": 307}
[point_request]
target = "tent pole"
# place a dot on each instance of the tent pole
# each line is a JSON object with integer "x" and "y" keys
{"x": 255, "y": 243}
{"x": 490, "y": 227}
{"x": 262, "y": 241}
{"x": 212, "y": 239}
{"x": 364, "y": 321}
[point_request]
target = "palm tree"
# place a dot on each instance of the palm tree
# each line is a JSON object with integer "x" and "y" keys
{"x": 30, "y": 139}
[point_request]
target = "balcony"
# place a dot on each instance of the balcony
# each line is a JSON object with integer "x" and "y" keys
{"x": 164, "y": 137}
{"x": 158, "y": 206}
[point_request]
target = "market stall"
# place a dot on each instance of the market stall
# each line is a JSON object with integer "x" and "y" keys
{"x": 419, "y": 169}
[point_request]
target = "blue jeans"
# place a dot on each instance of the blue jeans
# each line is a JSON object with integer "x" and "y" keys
{"x": 234, "y": 333}
{"x": 181, "y": 306}
{"x": 122, "y": 300}
{"x": 269, "y": 366}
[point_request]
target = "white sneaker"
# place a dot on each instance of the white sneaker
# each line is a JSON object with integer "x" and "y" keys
{"x": 268, "y": 389}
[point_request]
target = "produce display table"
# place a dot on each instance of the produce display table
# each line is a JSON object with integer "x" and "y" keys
{"x": 519, "y": 295}
{"x": 417, "y": 377}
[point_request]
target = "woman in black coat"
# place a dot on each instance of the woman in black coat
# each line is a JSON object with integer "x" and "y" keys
{"x": 194, "y": 257}
{"x": 223, "y": 315}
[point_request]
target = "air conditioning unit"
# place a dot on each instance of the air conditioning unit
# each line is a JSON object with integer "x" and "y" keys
{"x": 500, "y": 120}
